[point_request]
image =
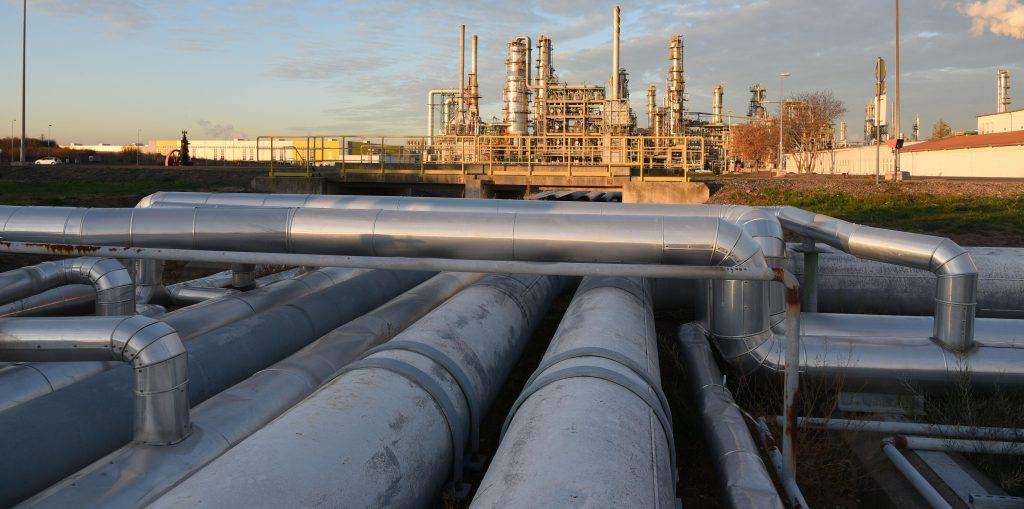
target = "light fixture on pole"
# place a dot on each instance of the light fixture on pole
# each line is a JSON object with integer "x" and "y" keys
{"x": 782, "y": 105}
{"x": 13, "y": 120}
{"x": 49, "y": 140}
{"x": 138, "y": 139}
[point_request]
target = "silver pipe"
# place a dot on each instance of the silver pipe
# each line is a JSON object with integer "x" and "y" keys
{"x": 758, "y": 223}
{"x": 847, "y": 284}
{"x": 63, "y": 300}
{"x": 958, "y": 445}
{"x": 153, "y": 349}
{"x": 148, "y": 278}
{"x": 548, "y": 455}
{"x": 873, "y": 352}
{"x": 32, "y": 381}
{"x": 742, "y": 477}
{"x": 115, "y": 295}
{"x": 136, "y": 474}
{"x": 22, "y": 382}
{"x": 220, "y": 279}
{"x": 793, "y": 493}
{"x": 921, "y": 484}
{"x": 385, "y": 233}
{"x": 430, "y": 114}
{"x": 902, "y": 428}
{"x": 187, "y": 295}
{"x": 956, "y": 288}
{"x": 400, "y": 438}
{"x": 52, "y": 437}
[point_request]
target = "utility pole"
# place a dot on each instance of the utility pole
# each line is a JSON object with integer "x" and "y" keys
{"x": 24, "y": 22}
{"x": 13, "y": 120}
{"x": 138, "y": 142}
{"x": 896, "y": 106}
{"x": 49, "y": 140}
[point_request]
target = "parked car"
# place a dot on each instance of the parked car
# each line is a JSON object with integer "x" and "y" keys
{"x": 48, "y": 160}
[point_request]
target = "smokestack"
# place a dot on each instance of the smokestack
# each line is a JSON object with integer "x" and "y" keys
{"x": 615, "y": 53}
{"x": 716, "y": 104}
{"x": 462, "y": 70}
{"x": 1002, "y": 91}
{"x": 652, "y": 108}
{"x": 472, "y": 63}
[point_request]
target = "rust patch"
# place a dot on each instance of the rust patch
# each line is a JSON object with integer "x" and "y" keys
{"x": 65, "y": 249}
{"x": 899, "y": 442}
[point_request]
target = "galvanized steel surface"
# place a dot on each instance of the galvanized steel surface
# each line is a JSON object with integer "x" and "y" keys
{"x": 742, "y": 476}
{"x": 586, "y": 440}
{"x": 153, "y": 349}
{"x": 371, "y": 437}
{"x": 115, "y": 295}
{"x": 51, "y": 437}
{"x": 136, "y": 474}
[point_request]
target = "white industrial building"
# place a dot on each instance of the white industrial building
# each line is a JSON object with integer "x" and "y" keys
{"x": 1001, "y": 122}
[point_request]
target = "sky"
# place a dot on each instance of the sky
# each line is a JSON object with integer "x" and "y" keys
{"x": 111, "y": 71}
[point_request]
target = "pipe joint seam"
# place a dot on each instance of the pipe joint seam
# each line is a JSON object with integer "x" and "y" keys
{"x": 430, "y": 386}
{"x": 469, "y": 392}
{"x": 655, "y": 404}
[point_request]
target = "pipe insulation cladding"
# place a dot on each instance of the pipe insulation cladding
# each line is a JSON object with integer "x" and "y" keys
{"x": 591, "y": 425}
{"x": 115, "y": 294}
{"x": 137, "y": 474}
{"x": 390, "y": 428}
{"x": 24, "y": 382}
{"x": 53, "y": 436}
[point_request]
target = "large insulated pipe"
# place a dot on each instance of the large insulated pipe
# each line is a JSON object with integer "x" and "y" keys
{"x": 742, "y": 477}
{"x": 153, "y": 349}
{"x": 847, "y": 284}
{"x": 592, "y": 423}
{"x": 883, "y": 353}
{"x": 494, "y": 236}
{"x": 956, "y": 288}
{"x": 405, "y": 412}
{"x": 137, "y": 474}
{"x": 51, "y": 437}
{"x": 63, "y": 300}
{"x": 115, "y": 294}
{"x": 614, "y": 92}
{"x": 25, "y": 382}
{"x": 760, "y": 224}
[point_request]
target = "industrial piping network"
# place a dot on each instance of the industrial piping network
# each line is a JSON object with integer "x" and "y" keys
{"x": 742, "y": 317}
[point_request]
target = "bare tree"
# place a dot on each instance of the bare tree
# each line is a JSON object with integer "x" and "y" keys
{"x": 941, "y": 130}
{"x": 756, "y": 142}
{"x": 808, "y": 122}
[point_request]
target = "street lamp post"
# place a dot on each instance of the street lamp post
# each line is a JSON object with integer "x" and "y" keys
{"x": 49, "y": 140}
{"x": 24, "y": 23}
{"x": 138, "y": 139}
{"x": 782, "y": 106}
{"x": 13, "y": 120}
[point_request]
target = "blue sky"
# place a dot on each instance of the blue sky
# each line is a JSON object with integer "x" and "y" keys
{"x": 100, "y": 70}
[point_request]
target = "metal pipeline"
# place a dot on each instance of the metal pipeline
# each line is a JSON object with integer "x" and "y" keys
{"x": 53, "y": 436}
{"x": 183, "y": 296}
{"x": 383, "y": 233}
{"x": 153, "y": 349}
{"x": 430, "y": 114}
{"x": 742, "y": 477}
{"x": 591, "y": 423}
{"x": 25, "y": 382}
{"x": 956, "y": 288}
{"x": 115, "y": 295}
{"x": 884, "y": 353}
{"x": 63, "y": 300}
{"x": 759, "y": 223}
{"x": 243, "y": 276}
{"x": 406, "y": 412}
{"x": 137, "y": 474}
{"x": 148, "y": 276}
{"x": 847, "y": 284}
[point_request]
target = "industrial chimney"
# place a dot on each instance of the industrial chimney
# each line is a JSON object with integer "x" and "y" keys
{"x": 614, "y": 93}
{"x": 716, "y": 104}
{"x": 1002, "y": 91}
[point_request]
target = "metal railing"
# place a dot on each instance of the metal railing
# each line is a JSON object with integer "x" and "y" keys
{"x": 651, "y": 158}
